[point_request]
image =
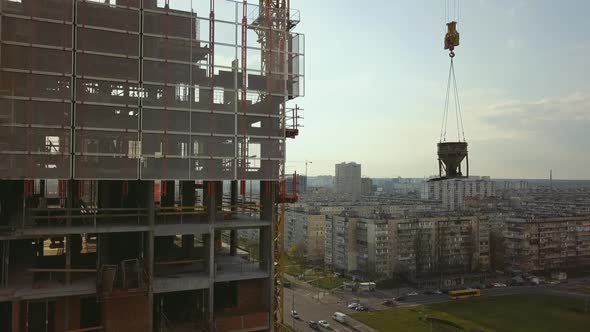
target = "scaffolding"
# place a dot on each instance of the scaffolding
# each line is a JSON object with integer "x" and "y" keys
{"x": 132, "y": 89}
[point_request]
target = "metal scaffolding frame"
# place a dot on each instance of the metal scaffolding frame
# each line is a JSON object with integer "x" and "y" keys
{"x": 113, "y": 110}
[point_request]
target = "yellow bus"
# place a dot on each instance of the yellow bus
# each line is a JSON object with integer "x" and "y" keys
{"x": 463, "y": 293}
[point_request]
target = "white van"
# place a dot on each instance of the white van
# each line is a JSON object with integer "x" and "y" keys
{"x": 339, "y": 317}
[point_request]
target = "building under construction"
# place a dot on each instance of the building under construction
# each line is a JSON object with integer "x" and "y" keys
{"x": 138, "y": 139}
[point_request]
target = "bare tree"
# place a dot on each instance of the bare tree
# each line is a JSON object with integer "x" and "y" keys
{"x": 422, "y": 252}
{"x": 497, "y": 251}
{"x": 441, "y": 260}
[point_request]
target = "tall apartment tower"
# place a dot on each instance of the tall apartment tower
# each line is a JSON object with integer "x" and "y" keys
{"x": 348, "y": 180}
{"x": 132, "y": 132}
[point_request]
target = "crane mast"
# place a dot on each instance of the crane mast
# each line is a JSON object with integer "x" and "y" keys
{"x": 273, "y": 36}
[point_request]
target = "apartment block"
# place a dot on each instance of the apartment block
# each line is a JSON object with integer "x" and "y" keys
{"x": 366, "y": 186}
{"x": 306, "y": 229}
{"x": 348, "y": 180}
{"x": 340, "y": 246}
{"x": 452, "y": 192}
{"x": 413, "y": 246}
{"x": 538, "y": 243}
{"x": 449, "y": 244}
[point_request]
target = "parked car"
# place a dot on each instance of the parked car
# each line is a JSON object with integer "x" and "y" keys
{"x": 361, "y": 308}
{"x": 294, "y": 314}
{"x": 353, "y": 305}
{"x": 499, "y": 284}
{"x": 412, "y": 294}
{"x": 438, "y": 292}
{"x": 324, "y": 324}
{"x": 314, "y": 325}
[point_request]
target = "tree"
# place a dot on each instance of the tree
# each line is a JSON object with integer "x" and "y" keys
{"x": 297, "y": 253}
{"x": 497, "y": 253}
{"x": 422, "y": 252}
{"x": 441, "y": 260}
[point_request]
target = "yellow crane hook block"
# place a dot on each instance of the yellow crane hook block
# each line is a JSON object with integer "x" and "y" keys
{"x": 452, "y": 36}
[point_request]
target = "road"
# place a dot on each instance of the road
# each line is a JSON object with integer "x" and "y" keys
{"x": 315, "y": 304}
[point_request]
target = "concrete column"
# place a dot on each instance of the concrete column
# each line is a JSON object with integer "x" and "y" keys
{"x": 15, "y": 316}
{"x": 150, "y": 251}
{"x": 68, "y": 258}
{"x": 218, "y": 198}
{"x": 233, "y": 242}
{"x": 234, "y": 197}
{"x": 71, "y": 194}
{"x": 209, "y": 200}
{"x": 265, "y": 242}
{"x": 267, "y": 200}
{"x": 267, "y": 212}
{"x": 210, "y": 254}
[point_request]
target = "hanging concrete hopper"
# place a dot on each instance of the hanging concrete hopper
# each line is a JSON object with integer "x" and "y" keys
{"x": 450, "y": 157}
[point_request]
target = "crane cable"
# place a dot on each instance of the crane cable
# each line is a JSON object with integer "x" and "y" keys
{"x": 452, "y": 80}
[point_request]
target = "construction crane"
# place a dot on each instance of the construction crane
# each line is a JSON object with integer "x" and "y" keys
{"x": 272, "y": 27}
{"x": 451, "y": 153}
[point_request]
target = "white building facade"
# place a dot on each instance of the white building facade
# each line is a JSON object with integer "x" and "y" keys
{"x": 452, "y": 192}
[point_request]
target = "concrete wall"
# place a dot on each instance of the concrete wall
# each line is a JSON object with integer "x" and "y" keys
{"x": 126, "y": 313}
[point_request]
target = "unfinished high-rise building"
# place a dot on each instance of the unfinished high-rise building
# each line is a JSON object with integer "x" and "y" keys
{"x": 138, "y": 139}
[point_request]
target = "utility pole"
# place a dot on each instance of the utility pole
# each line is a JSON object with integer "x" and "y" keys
{"x": 293, "y": 310}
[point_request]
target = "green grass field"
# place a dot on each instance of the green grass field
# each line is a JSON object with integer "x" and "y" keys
{"x": 329, "y": 282}
{"x": 514, "y": 313}
{"x": 585, "y": 290}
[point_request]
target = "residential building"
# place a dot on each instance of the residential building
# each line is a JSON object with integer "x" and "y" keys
{"x": 452, "y": 192}
{"x": 300, "y": 183}
{"x": 306, "y": 229}
{"x": 348, "y": 180}
{"x": 544, "y": 244}
{"x": 366, "y": 186}
{"x": 340, "y": 248}
{"x": 440, "y": 244}
{"x": 412, "y": 246}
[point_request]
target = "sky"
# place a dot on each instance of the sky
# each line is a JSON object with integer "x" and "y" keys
{"x": 376, "y": 76}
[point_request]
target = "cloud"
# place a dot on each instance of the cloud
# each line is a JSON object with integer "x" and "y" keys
{"x": 524, "y": 138}
{"x": 543, "y": 113}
